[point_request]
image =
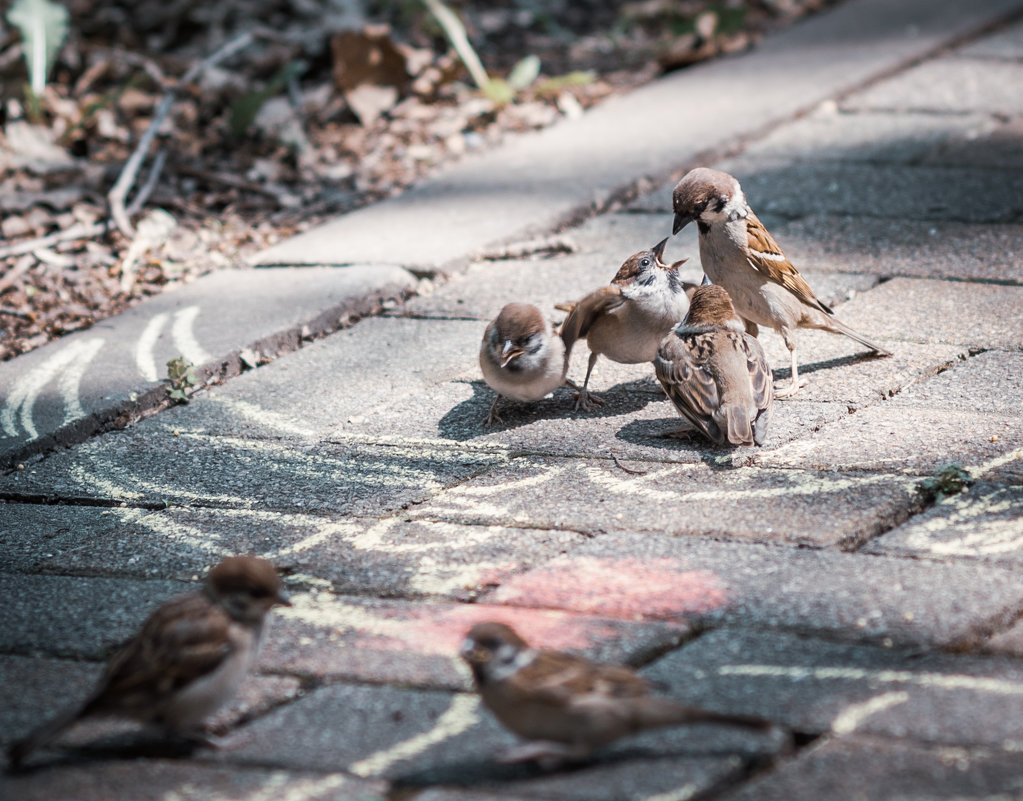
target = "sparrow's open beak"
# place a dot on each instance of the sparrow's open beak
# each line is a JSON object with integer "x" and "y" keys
{"x": 659, "y": 249}
{"x": 509, "y": 352}
{"x": 677, "y": 264}
{"x": 283, "y": 598}
{"x": 680, "y": 222}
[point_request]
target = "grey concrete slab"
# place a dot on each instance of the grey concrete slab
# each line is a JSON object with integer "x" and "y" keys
{"x": 597, "y": 496}
{"x": 70, "y": 388}
{"x": 329, "y": 637}
{"x": 797, "y": 188}
{"x": 388, "y": 556}
{"x": 900, "y": 247}
{"x": 908, "y": 438}
{"x": 187, "y": 780}
{"x": 988, "y": 383}
{"x": 1006, "y": 42}
{"x": 851, "y": 596}
{"x": 811, "y": 685}
{"x": 857, "y": 768}
{"x": 148, "y": 466}
{"x": 995, "y": 148}
{"x": 951, "y": 84}
{"x": 828, "y": 134}
{"x": 417, "y": 738}
{"x": 343, "y": 376}
{"x": 984, "y": 523}
{"x": 33, "y": 534}
{"x": 954, "y": 312}
{"x": 537, "y": 179}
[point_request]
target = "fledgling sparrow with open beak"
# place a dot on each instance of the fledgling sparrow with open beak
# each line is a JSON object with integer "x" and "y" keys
{"x": 626, "y": 320}
{"x": 521, "y": 357}
{"x": 739, "y": 254}
{"x": 715, "y": 373}
{"x": 566, "y": 706}
{"x": 187, "y": 660}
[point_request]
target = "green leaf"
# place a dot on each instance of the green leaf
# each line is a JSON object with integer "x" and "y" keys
{"x": 559, "y": 82}
{"x": 524, "y": 73}
{"x": 43, "y": 25}
{"x": 246, "y": 107}
{"x": 499, "y": 91}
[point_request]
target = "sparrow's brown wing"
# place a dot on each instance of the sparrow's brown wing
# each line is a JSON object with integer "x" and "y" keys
{"x": 183, "y": 640}
{"x": 559, "y": 679}
{"x": 765, "y": 256}
{"x": 579, "y": 321}
{"x": 759, "y": 372}
{"x": 679, "y": 367}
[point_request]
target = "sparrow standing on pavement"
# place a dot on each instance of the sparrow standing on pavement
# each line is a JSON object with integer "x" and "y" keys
{"x": 715, "y": 373}
{"x": 739, "y": 254}
{"x": 567, "y": 706}
{"x": 521, "y": 357}
{"x": 186, "y": 662}
{"x": 627, "y": 320}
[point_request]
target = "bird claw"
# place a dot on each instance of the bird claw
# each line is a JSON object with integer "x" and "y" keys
{"x": 587, "y": 401}
{"x": 549, "y": 755}
{"x": 683, "y": 432}
{"x": 791, "y": 389}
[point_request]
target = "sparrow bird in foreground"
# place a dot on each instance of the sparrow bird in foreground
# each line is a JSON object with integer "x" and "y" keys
{"x": 521, "y": 357}
{"x": 567, "y": 706}
{"x": 715, "y": 373}
{"x": 739, "y": 254}
{"x": 627, "y": 320}
{"x": 186, "y": 662}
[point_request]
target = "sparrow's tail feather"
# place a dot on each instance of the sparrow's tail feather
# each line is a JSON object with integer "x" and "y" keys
{"x": 655, "y": 712}
{"x": 46, "y": 733}
{"x": 736, "y": 423}
{"x": 838, "y": 326}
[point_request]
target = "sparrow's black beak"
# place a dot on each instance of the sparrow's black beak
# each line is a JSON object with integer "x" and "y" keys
{"x": 706, "y": 280}
{"x": 681, "y": 221}
{"x": 659, "y": 248}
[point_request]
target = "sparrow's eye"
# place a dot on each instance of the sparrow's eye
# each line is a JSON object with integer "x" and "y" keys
{"x": 644, "y": 263}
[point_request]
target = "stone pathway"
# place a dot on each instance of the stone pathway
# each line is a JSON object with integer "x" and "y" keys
{"x": 807, "y": 581}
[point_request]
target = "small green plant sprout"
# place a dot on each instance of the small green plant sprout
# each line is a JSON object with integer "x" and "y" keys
{"x": 183, "y": 379}
{"x": 43, "y": 25}
{"x": 951, "y": 479}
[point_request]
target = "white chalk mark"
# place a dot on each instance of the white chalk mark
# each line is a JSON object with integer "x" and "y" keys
{"x": 993, "y": 464}
{"x": 26, "y": 390}
{"x": 850, "y": 718}
{"x": 273, "y": 420}
{"x": 277, "y": 786}
{"x": 184, "y": 338}
{"x": 145, "y": 358}
{"x": 941, "y": 681}
{"x": 71, "y": 381}
{"x": 683, "y": 793}
{"x": 462, "y": 715}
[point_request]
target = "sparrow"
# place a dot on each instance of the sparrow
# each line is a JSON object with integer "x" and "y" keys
{"x": 567, "y": 706}
{"x": 739, "y": 254}
{"x": 186, "y": 661}
{"x": 715, "y": 373}
{"x": 521, "y": 357}
{"x": 626, "y": 320}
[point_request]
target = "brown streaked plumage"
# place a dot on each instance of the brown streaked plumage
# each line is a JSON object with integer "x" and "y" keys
{"x": 186, "y": 661}
{"x": 715, "y": 373}
{"x": 566, "y": 706}
{"x": 740, "y": 254}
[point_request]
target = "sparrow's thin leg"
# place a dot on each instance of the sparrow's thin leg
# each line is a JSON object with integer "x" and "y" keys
{"x": 796, "y": 384}
{"x": 543, "y": 750}
{"x": 493, "y": 416}
{"x": 586, "y": 400}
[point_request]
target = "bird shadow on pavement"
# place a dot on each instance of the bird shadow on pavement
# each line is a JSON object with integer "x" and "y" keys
{"x": 781, "y": 374}
{"x": 466, "y": 420}
{"x": 115, "y": 748}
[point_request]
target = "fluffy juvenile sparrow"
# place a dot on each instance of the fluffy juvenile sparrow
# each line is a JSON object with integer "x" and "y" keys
{"x": 627, "y": 320}
{"x": 715, "y": 373}
{"x": 567, "y": 706}
{"x": 188, "y": 659}
{"x": 739, "y": 254}
{"x": 521, "y": 357}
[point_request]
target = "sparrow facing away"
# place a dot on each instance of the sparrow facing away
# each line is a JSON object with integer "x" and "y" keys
{"x": 715, "y": 373}
{"x": 186, "y": 662}
{"x": 521, "y": 357}
{"x": 627, "y": 320}
{"x": 567, "y": 706}
{"x": 739, "y": 254}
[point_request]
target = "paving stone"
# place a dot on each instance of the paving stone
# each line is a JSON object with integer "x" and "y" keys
{"x": 596, "y": 496}
{"x": 979, "y": 315}
{"x": 161, "y": 780}
{"x": 828, "y": 134}
{"x": 71, "y": 616}
{"x": 988, "y": 383}
{"x": 202, "y": 470}
{"x": 984, "y": 523}
{"x": 813, "y": 686}
{"x": 908, "y": 438}
{"x": 950, "y": 84}
{"x": 896, "y": 246}
{"x": 379, "y": 640}
{"x": 417, "y": 737}
{"x": 304, "y": 394}
{"x": 389, "y": 556}
{"x": 639, "y": 576}
{"x": 33, "y": 534}
{"x": 995, "y": 148}
{"x": 1004, "y": 43}
{"x": 857, "y": 769}
{"x": 1008, "y": 641}
{"x": 67, "y": 389}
